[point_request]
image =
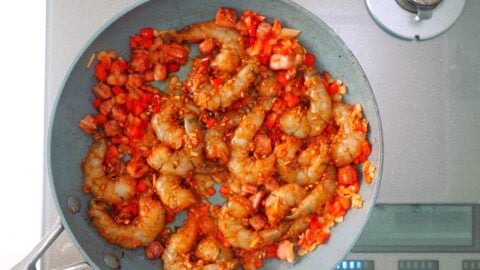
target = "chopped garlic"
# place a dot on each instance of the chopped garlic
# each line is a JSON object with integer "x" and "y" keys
{"x": 357, "y": 201}
{"x": 368, "y": 171}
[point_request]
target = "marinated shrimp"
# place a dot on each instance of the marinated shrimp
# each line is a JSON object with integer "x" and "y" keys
{"x": 209, "y": 250}
{"x": 305, "y": 168}
{"x": 165, "y": 123}
{"x": 298, "y": 226}
{"x": 302, "y": 124}
{"x": 181, "y": 243}
{"x": 98, "y": 183}
{"x": 216, "y": 146}
{"x": 214, "y": 97}
{"x": 214, "y": 255}
{"x": 282, "y": 200}
{"x": 231, "y": 226}
{"x": 268, "y": 86}
{"x": 346, "y": 144}
{"x": 183, "y": 161}
{"x": 241, "y": 165}
{"x": 141, "y": 232}
{"x": 202, "y": 184}
{"x": 317, "y": 197}
{"x": 229, "y": 40}
{"x": 172, "y": 194}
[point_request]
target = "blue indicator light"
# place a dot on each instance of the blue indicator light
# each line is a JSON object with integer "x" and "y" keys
{"x": 355, "y": 265}
{"x": 358, "y": 265}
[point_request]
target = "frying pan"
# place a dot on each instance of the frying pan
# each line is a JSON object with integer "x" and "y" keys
{"x": 67, "y": 144}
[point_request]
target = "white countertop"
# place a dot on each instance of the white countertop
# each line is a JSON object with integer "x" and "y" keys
{"x": 22, "y": 70}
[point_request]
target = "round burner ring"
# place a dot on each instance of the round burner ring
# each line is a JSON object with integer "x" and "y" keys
{"x": 415, "y": 19}
{"x": 411, "y": 5}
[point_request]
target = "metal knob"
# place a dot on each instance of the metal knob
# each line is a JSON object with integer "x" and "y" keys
{"x": 423, "y": 8}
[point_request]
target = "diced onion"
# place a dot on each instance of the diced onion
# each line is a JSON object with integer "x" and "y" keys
{"x": 289, "y": 33}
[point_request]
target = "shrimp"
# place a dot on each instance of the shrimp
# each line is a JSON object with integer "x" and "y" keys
{"x": 210, "y": 97}
{"x": 209, "y": 167}
{"x": 268, "y": 86}
{"x": 346, "y": 144}
{"x": 297, "y": 227}
{"x": 281, "y": 200}
{"x": 203, "y": 183}
{"x": 165, "y": 124}
{"x": 230, "y": 225}
{"x": 180, "y": 162}
{"x": 241, "y": 165}
{"x": 231, "y": 119}
{"x": 302, "y": 124}
{"x": 230, "y": 41}
{"x": 99, "y": 184}
{"x": 263, "y": 145}
{"x": 209, "y": 250}
{"x": 317, "y": 197}
{"x": 216, "y": 255}
{"x": 308, "y": 166}
{"x": 216, "y": 146}
{"x": 141, "y": 232}
{"x": 172, "y": 194}
{"x": 181, "y": 243}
